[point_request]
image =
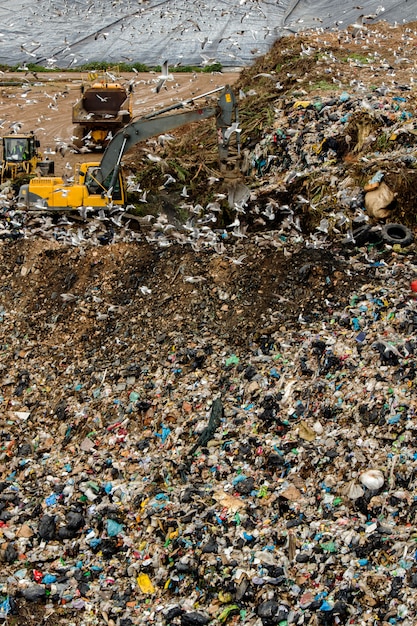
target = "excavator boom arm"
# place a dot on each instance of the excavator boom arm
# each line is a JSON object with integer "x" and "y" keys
{"x": 99, "y": 184}
{"x": 145, "y": 128}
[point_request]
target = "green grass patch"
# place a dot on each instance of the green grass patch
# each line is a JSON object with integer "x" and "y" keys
{"x": 31, "y": 67}
{"x": 382, "y": 142}
{"x": 322, "y": 85}
{"x": 102, "y": 66}
{"x": 181, "y": 173}
{"x": 355, "y": 56}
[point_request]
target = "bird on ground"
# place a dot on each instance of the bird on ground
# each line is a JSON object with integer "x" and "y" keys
{"x": 164, "y": 138}
{"x": 219, "y": 247}
{"x": 209, "y": 217}
{"x": 117, "y": 219}
{"x": 213, "y": 206}
{"x": 84, "y": 210}
{"x": 168, "y": 180}
{"x": 102, "y": 216}
{"x": 240, "y": 207}
{"x": 64, "y": 221}
{"x": 239, "y": 232}
{"x": 194, "y": 279}
{"x": 234, "y": 224}
{"x": 153, "y": 157}
{"x": 307, "y": 50}
{"x": 68, "y": 297}
{"x": 269, "y": 212}
{"x": 264, "y": 75}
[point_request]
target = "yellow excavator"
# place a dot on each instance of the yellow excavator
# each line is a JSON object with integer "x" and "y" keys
{"x": 102, "y": 184}
{"x": 21, "y": 157}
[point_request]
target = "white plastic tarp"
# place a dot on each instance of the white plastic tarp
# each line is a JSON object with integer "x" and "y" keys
{"x": 70, "y": 33}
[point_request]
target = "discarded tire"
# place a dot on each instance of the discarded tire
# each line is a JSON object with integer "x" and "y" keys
{"x": 397, "y": 234}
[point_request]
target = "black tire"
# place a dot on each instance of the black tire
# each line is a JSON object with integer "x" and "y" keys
{"x": 396, "y": 234}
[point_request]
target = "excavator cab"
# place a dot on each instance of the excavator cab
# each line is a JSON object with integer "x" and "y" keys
{"x": 94, "y": 186}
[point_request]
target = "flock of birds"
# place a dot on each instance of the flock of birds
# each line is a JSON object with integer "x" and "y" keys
{"x": 229, "y": 33}
{"x": 87, "y": 227}
{"x": 146, "y": 31}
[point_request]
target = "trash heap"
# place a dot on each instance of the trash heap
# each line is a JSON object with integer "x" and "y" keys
{"x": 207, "y": 434}
{"x": 322, "y": 115}
{"x": 159, "y": 468}
{"x": 314, "y": 141}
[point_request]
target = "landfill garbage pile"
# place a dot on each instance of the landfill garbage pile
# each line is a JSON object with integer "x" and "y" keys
{"x": 323, "y": 116}
{"x": 215, "y": 424}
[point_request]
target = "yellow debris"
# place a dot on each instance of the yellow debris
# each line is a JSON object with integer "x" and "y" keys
{"x": 144, "y": 584}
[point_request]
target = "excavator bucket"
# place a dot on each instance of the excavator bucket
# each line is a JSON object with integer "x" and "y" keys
{"x": 237, "y": 192}
{"x": 227, "y": 123}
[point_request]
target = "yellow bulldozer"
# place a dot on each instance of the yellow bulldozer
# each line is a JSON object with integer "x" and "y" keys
{"x": 21, "y": 157}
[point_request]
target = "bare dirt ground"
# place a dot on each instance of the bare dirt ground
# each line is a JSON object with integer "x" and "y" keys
{"x": 43, "y": 104}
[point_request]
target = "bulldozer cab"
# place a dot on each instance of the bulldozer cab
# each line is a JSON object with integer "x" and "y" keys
{"x": 19, "y": 148}
{"x": 20, "y": 156}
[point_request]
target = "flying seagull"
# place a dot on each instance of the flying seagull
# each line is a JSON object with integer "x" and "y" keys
{"x": 163, "y": 77}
